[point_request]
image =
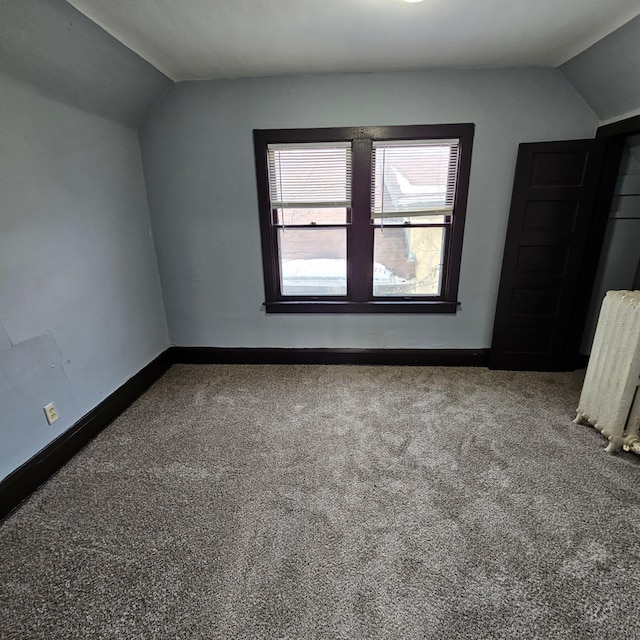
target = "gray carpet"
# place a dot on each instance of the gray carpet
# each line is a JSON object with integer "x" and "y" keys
{"x": 333, "y": 502}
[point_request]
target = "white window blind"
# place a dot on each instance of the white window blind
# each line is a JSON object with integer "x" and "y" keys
{"x": 310, "y": 175}
{"x": 413, "y": 178}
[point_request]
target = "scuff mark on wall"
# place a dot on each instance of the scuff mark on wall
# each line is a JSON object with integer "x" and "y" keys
{"x": 31, "y": 376}
{"x": 4, "y": 337}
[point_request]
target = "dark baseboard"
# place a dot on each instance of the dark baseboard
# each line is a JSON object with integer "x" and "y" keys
{"x": 411, "y": 357}
{"x": 19, "y": 484}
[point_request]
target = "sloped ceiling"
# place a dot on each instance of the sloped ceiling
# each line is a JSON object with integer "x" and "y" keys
{"x": 204, "y": 39}
{"x": 607, "y": 75}
{"x": 52, "y": 46}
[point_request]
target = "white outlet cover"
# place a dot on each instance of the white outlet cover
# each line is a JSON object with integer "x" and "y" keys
{"x": 50, "y": 412}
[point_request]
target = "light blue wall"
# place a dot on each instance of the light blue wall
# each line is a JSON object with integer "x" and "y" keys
{"x": 199, "y": 166}
{"x": 607, "y": 74}
{"x": 80, "y": 302}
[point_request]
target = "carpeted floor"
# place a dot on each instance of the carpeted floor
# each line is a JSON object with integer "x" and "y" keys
{"x": 333, "y": 502}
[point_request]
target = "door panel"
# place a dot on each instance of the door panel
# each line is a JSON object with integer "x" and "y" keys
{"x": 550, "y": 215}
{"x": 552, "y": 210}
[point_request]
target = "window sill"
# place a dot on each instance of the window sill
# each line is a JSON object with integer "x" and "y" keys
{"x": 378, "y": 306}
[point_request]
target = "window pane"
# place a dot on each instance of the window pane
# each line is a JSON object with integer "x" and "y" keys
{"x": 310, "y": 174}
{"x": 413, "y": 177}
{"x": 313, "y": 262}
{"x": 408, "y": 261}
{"x": 334, "y": 215}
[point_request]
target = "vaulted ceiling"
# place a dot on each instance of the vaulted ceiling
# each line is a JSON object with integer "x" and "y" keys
{"x": 203, "y": 39}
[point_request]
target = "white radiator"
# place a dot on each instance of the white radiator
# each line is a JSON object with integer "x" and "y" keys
{"x": 610, "y": 400}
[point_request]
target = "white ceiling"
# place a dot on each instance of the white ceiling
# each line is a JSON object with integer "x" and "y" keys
{"x": 203, "y": 39}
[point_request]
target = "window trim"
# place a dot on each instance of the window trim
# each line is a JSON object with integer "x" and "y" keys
{"x": 359, "y": 299}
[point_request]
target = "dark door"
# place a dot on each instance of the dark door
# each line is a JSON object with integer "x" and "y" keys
{"x": 552, "y": 213}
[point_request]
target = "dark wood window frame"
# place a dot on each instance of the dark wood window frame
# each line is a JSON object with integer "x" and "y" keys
{"x": 360, "y": 230}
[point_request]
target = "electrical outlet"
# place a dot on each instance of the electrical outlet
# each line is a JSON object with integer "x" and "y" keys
{"x": 51, "y": 413}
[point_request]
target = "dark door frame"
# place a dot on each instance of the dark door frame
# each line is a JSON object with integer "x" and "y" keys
{"x": 615, "y": 134}
{"x": 620, "y": 129}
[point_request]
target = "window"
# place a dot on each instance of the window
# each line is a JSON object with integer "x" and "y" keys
{"x": 363, "y": 220}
